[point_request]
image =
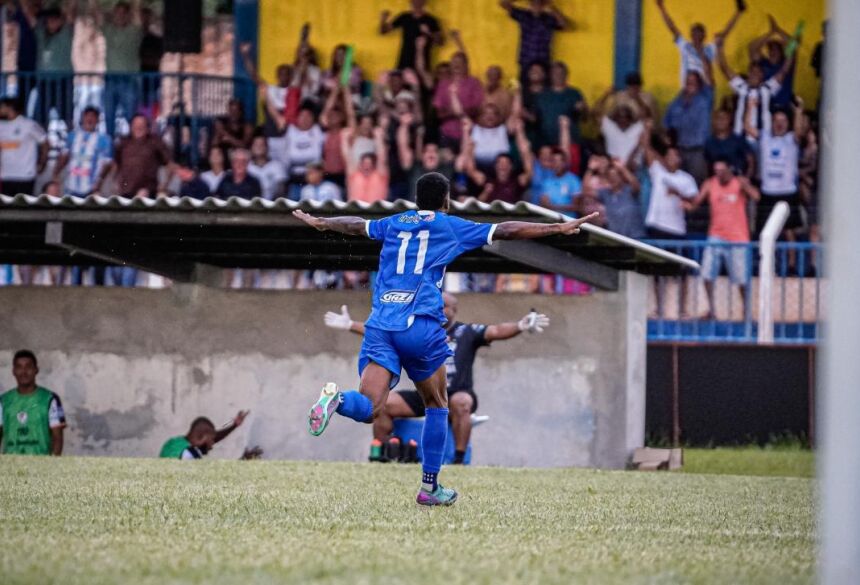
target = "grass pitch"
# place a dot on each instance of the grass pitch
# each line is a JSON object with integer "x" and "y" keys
{"x": 76, "y": 520}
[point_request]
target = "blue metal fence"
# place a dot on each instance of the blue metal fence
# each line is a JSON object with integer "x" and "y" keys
{"x": 186, "y": 103}
{"x": 712, "y": 307}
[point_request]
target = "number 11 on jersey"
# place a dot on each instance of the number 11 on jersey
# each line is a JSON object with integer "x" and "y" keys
{"x": 423, "y": 240}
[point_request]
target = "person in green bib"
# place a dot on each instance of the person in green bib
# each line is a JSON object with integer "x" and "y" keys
{"x": 31, "y": 416}
{"x": 200, "y": 439}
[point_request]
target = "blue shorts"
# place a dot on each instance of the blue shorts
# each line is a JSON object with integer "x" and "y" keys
{"x": 419, "y": 350}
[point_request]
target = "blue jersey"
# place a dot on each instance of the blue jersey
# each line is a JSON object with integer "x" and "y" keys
{"x": 417, "y": 246}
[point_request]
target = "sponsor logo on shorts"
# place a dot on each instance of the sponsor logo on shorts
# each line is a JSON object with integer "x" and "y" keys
{"x": 397, "y": 296}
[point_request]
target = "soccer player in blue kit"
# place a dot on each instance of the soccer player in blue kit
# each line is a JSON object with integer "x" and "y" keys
{"x": 404, "y": 330}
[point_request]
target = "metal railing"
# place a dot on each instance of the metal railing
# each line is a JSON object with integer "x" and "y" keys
{"x": 725, "y": 306}
{"x": 183, "y": 102}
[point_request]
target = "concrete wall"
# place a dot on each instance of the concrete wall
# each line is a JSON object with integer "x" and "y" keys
{"x": 133, "y": 367}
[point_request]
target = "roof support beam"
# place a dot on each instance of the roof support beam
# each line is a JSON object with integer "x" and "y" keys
{"x": 63, "y": 236}
{"x": 556, "y": 261}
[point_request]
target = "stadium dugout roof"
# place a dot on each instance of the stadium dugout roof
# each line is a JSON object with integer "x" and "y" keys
{"x": 187, "y": 239}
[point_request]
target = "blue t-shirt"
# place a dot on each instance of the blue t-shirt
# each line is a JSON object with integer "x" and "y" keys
{"x": 417, "y": 246}
{"x": 561, "y": 190}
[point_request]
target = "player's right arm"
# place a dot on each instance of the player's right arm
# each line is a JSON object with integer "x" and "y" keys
{"x": 349, "y": 225}
{"x": 343, "y": 321}
{"x": 523, "y": 230}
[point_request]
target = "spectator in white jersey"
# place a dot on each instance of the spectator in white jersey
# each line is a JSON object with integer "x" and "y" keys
{"x": 88, "y": 155}
{"x": 316, "y": 188}
{"x": 465, "y": 339}
{"x": 23, "y": 149}
{"x": 303, "y": 144}
{"x": 269, "y": 172}
{"x": 695, "y": 53}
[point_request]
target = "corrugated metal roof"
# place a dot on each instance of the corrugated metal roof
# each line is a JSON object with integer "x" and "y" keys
{"x": 261, "y": 212}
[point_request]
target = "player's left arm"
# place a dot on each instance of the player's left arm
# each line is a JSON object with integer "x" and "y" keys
{"x": 234, "y": 424}
{"x": 349, "y": 225}
{"x": 343, "y": 321}
{"x": 57, "y": 441}
{"x": 523, "y": 230}
{"x": 533, "y": 323}
{"x": 57, "y": 424}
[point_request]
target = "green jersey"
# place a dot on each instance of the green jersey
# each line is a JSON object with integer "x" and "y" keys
{"x": 179, "y": 448}
{"x": 27, "y": 421}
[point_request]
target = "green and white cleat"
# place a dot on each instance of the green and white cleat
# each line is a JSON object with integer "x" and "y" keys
{"x": 321, "y": 412}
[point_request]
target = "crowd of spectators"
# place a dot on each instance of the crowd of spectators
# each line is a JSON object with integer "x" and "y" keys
{"x": 328, "y": 133}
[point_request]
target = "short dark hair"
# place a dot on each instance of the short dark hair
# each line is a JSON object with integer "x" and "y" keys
{"x": 91, "y": 110}
{"x": 431, "y": 191}
{"x": 200, "y": 420}
{"x": 12, "y": 102}
{"x": 52, "y": 12}
{"x": 722, "y": 159}
{"x": 25, "y": 354}
{"x": 633, "y": 78}
{"x": 371, "y": 155}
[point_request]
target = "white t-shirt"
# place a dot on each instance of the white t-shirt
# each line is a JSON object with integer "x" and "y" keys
{"x": 19, "y": 140}
{"x": 277, "y": 96}
{"x": 690, "y": 60}
{"x": 779, "y": 163}
{"x": 665, "y": 212}
{"x": 302, "y": 147}
{"x": 325, "y": 191}
{"x": 212, "y": 180}
{"x": 763, "y": 93}
{"x": 270, "y": 176}
{"x": 490, "y": 142}
{"x": 620, "y": 143}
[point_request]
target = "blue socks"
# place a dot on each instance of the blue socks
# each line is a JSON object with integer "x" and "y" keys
{"x": 433, "y": 444}
{"x": 356, "y": 406}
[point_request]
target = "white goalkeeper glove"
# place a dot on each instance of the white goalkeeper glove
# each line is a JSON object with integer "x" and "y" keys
{"x": 534, "y": 322}
{"x": 340, "y": 320}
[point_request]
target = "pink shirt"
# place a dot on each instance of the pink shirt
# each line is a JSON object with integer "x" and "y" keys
{"x": 369, "y": 188}
{"x": 728, "y": 211}
{"x": 471, "y": 95}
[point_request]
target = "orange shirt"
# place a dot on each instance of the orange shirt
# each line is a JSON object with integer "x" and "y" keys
{"x": 728, "y": 211}
{"x": 369, "y": 188}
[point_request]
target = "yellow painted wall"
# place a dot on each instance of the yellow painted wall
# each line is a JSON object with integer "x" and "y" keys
{"x": 661, "y": 60}
{"x": 490, "y": 36}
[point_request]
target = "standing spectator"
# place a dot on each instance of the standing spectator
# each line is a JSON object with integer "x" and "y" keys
{"x": 201, "y": 438}
{"x": 558, "y": 191}
{"x": 819, "y": 61}
{"x": 317, "y": 189}
{"x": 809, "y": 164}
{"x": 54, "y": 32}
{"x": 123, "y": 35}
{"x": 503, "y": 183}
{"x": 415, "y": 23}
{"x": 496, "y": 94}
{"x": 727, "y": 196}
{"x": 538, "y": 24}
{"x": 754, "y": 89}
{"x": 331, "y": 78}
{"x": 150, "y": 54}
{"x": 529, "y": 92}
{"x": 217, "y": 169}
{"x": 270, "y": 173}
{"x": 461, "y": 95}
{"x": 88, "y": 155}
{"x": 430, "y": 160}
{"x": 233, "y": 130}
{"x": 138, "y": 159}
{"x": 670, "y": 185}
{"x": 779, "y": 156}
{"x": 332, "y": 119}
{"x": 303, "y": 145}
{"x": 239, "y": 182}
{"x": 559, "y": 99}
{"x": 772, "y": 60}
{"x": 368, "y": 180}
{"x": 621, "y": 131}
{"x": 725, "y": 144}
{"x": 31, "y": 416}
{"x": 282, "y": 97}
{"x": 489, "y": 136}
{"x": 27, "y": 49}
{"x": 23, "y": 149}
{"x": 688, "y": 119}
{"x": 642, "y": 103}
{"x": 306, "y": 72}
{"x": 696, "y": 56}
{"x": 619, "y": 198}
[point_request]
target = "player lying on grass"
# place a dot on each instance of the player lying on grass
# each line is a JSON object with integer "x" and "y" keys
{"x": 464, "y": 339}
{"x": 404, "y": 329}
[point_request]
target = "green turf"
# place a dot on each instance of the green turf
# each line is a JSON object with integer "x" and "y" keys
{"x": 751, "y": 461}
{"x": 96, "y": 520}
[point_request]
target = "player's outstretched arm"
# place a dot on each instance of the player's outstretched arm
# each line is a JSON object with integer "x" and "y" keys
{"x": 524, "y": 230}
{"x": 352, "y": 226}
{"x": 343, "y": 321}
